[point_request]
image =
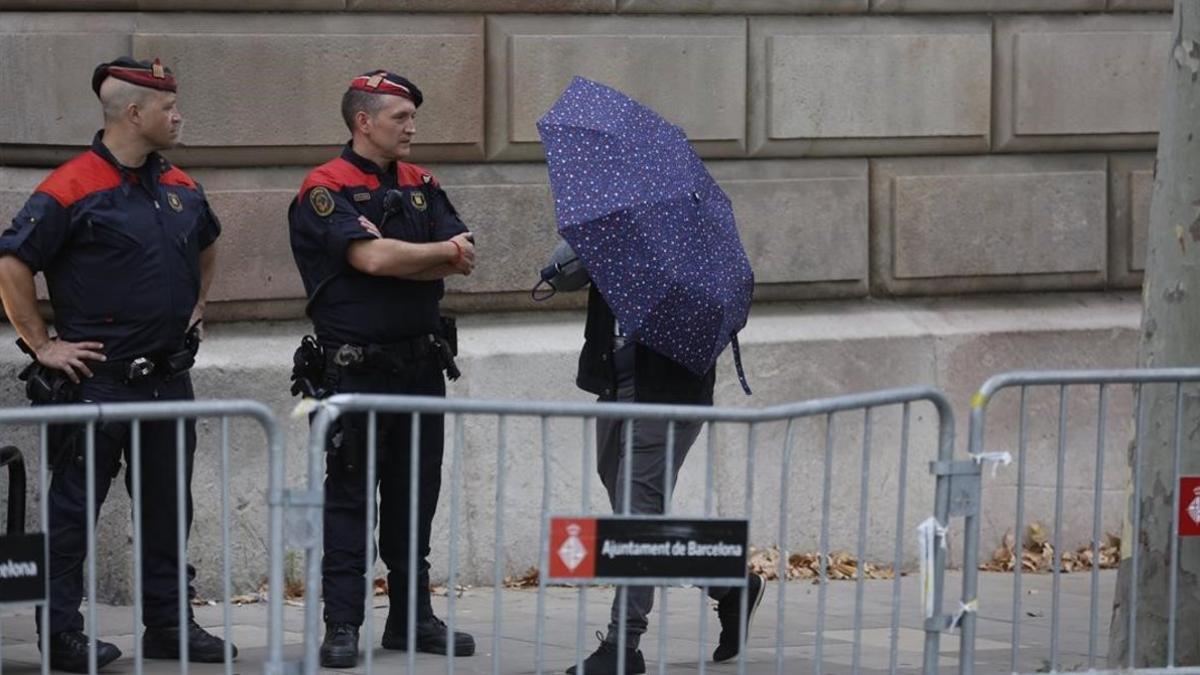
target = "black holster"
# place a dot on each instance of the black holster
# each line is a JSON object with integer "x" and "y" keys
{"x": 447, "y": 347}
{"x": 348, "y": 442}
{"x": 308, "y": 369}
{"x": 47, "y": 386}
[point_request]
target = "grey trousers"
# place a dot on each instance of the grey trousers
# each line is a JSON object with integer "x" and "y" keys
{"x": 648, "y": 469}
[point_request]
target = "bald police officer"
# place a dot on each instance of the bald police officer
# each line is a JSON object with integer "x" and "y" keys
{"x": 125, "y": 241}
{"x": 373, "y": 237}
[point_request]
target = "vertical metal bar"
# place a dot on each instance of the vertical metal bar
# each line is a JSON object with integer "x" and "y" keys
{"x": 1018, "y": 564}
{"x": 1060, "y": 471}
{"x": 710, "y": 451}
{"x": 369, "y": 490}
{"x": 785, "y": 473}
{"x": 822, "y": 581}
{"x": 135, "y": 459}
{"x": 664, "y": 627}
{"x": 898, "y": 554}
{"x": 44, "y": 517}
{"x": 585, "y": 506}
{"x": 543, "y": 548}
{"x": 226, "y": 563}
{"x": 181, "y": 542}
{"x": 1097, "y": 507}
{"x": 318, "y": 460}
{"x": 623, "y": 591}
{"x": 744, "y": 605}
{"x": 498, "y": 561}
{"x": 414, "y": 487}
{"x": 455, "y": 494}
{"x": 1137, "y": 521}
{"x": 1172, "y": 596}
{"x": 863, "y": 497}
{"x": 90, "y": 475}
{"x": 275, "y": 473}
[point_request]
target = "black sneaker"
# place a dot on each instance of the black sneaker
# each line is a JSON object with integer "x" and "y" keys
{"x": 340, "y": 647}
{"x": 728, "y": 610}
{"x": 603, "y": 661}
{"x": 69, "y": 652}
{"x": 431, "y": 638}
{"x": 203, "y": 647}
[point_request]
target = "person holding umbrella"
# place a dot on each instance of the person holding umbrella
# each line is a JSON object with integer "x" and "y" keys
{"x": 670, "y": 288}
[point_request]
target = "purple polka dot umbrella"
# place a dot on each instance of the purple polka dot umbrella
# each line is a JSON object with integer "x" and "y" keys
{"x": 654, "y": 230}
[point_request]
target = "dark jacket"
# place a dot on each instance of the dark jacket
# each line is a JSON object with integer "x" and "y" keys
{"x": 657, "y": 379}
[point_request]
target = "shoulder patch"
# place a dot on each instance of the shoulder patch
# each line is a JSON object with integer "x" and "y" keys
{"x": 321, "y": 200}
{"x": 81, "y": 176}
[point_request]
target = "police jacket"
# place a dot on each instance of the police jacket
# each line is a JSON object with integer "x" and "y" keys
{"x": 657, "y": 379}
{"x": 120, "y": 250}
{"x": 348, "y": 306}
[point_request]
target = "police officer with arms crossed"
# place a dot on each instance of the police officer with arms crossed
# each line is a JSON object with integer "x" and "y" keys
{"x": 373, "y": 237}
{"x": 125, "y": 241}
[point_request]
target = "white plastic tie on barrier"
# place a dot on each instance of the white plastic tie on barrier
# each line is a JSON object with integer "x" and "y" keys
{"x": 931, "y": 535}
{"x": 305, "y": 407}
{"x": 995, "y": 459}
{"x": 963, "y": 610}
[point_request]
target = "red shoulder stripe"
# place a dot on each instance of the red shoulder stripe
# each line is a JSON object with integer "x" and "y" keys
{"x": 411, "y": 175}
{"x": 176, "y": 176}
{"x": 81, "y": 176}
{"x": 336, "y": 174}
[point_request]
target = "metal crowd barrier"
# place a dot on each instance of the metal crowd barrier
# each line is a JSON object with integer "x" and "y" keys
{"x": 1159, "y": 390}
{"x": 563, "y": 435}
{"x": 90, "y": 417}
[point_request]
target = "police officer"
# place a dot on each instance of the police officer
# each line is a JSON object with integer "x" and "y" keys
{"x": 125, "y": 241}
{"x": 373, "y": 237}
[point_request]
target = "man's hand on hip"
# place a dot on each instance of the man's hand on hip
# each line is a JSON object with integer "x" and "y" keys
{"x": 70, "y": 357}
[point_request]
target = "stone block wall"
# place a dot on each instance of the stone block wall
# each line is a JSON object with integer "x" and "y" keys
{"x": 877, "y": 152}
{"x": 871, "y": 147}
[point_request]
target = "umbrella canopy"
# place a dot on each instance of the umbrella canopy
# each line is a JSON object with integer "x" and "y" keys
{"x": 654, "y": 230}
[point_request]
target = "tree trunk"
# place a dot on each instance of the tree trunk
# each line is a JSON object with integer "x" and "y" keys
{"x": 1170, "y": 337}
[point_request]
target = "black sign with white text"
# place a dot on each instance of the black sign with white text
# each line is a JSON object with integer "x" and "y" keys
{"x": 23, "y": 568}
{"x": 639, "y": 547}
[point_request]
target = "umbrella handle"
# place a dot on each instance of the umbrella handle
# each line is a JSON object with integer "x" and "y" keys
{"x": 737, "y": 362}
{"x": 543, "y": 295}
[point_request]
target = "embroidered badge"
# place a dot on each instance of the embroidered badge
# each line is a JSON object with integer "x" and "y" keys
{"x": 321, "y": 201}
{"x": 175, "y": 202}
{"x": 362, "y": 196}
{"x": 418, "y": 200}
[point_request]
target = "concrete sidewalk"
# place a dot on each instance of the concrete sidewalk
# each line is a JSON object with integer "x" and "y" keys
{"x": 680, "y": 652}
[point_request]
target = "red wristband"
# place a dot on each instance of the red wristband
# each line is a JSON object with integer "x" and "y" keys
{"x": 457, "y": 256}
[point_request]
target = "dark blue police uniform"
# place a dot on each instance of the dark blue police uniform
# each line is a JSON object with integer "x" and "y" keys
{"x": 120, "y": 250}
{"x": 391, "y": 326}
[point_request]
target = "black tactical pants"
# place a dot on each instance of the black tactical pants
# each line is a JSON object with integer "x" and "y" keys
{"x": 67, "y": 498}
{"x": 346, "y": 492}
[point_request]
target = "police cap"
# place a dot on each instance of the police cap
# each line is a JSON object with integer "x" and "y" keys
{"x": 142, "y": 73}
{"x": 384, "y": 82}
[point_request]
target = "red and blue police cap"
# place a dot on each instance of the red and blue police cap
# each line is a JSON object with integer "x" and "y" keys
{"x": 384, "y": 82}
{"x": 142, "y": 73}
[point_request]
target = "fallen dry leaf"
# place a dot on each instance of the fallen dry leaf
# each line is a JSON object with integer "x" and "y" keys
{"x": 838, "y": 566}
{"x": 1037, "y": 554}
{"x": 527, "y": 580}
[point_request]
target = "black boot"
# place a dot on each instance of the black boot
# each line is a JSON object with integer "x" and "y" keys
{"x": 431, "y": 637}
{"x": 728, "y": 610}
{"x": 340, "y": 647}
{"x": 69, "y": 652}
{"x": 603, "y": 661}
{"x": 203, "y": 647}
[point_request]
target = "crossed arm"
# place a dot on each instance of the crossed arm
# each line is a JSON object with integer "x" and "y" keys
{"x": 406, "y": 260}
